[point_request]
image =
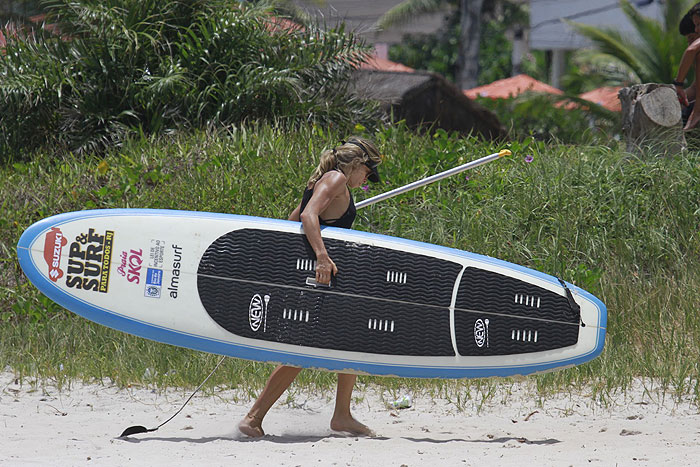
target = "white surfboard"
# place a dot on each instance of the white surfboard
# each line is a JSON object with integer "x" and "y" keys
{"x": 244, "y": 286}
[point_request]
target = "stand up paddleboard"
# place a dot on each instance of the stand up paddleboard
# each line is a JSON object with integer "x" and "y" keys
{"x": 244, "y": 286}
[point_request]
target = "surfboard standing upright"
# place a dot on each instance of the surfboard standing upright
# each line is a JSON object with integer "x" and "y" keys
{"x": 244, "y": 286}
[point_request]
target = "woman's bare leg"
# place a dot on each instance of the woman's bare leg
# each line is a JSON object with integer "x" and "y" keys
{"x": 342, "y": 418}
{"x": 277, "y": 383}
{"x": 694, "y": 118}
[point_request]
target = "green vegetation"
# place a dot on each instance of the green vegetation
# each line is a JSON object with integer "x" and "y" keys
{"x": 530, "y": 114}
{"x": 650, "y": 56}
{"x": 621, "y": 227}
{"x": 439, "y": 52}
{"x": 547, "y": 117}
{"x": 212, "y": 106}
{"x": 107, "y": 70}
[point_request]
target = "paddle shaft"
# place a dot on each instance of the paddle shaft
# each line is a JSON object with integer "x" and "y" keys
{"x": 432, "y": 178}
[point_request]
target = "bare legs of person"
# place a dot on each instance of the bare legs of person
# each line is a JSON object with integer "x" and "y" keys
{"x": 342, "y": 418}
{"x": 694, "y": 118}
{"x": 279, "y": 381}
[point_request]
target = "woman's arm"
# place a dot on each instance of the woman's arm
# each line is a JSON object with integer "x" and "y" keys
{"x": 329, "y": 187}
{"x": 694, "y": 117}
{"x": 687, "y": 60}
{"x": 294, "y": 216}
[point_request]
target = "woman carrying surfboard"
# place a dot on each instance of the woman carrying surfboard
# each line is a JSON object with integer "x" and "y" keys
{"x": 326, "y": 201}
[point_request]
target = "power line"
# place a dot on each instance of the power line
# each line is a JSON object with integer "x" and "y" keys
{"x": 638, "y": 4}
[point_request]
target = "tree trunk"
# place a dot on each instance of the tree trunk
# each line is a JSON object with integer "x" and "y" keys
{"x": 651, "y": 119}
{"x": 469, "y": 39}
{"x": 519, "y": 50}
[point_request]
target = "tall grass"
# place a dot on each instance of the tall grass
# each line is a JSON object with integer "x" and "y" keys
{"x": 622, "y": 227}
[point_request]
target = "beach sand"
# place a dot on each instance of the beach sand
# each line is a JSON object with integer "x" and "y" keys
{"x": 80, "y": 425}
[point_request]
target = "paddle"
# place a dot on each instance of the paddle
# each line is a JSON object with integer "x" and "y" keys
{"x": 432, "y": 178}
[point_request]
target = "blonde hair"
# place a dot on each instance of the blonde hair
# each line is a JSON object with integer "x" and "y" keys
{"x": 346, "y": 157}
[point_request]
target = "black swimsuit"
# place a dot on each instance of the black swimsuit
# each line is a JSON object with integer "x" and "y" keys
{"x": 344, "y": 222}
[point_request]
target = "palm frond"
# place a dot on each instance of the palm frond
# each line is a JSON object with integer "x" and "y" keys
{"x": 612, "y": 43}
{"x": 661, "y": 46}
{"x": 653, "y": 53}
{"x": 673, "y": 12}
{"x": 407, "y": 10}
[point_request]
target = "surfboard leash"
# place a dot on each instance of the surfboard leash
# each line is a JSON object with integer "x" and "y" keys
{"x": 575, "y": 307}
{"x": 136, "y": 429}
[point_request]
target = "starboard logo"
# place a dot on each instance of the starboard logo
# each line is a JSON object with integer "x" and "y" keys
{"x": 89, "y": 261}
{"x": 257, "y": 312}
{"x": 53, "y": 246}
{"x": 130, "y": 265}
{"x": 481, "y": 333}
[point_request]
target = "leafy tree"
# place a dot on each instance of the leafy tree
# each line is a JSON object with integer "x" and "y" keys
{"x": 433, "y": 52}
{"x": 472, "y": 50}
{"x": 119, "y": 66}
{"x": 439, "y": 52}
{"x": 652, "y": 55}
{"x": 467, "y": 65}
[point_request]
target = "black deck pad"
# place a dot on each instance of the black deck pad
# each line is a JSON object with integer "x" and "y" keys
{"x": 235, "y": 270}
{"x": 252, "y": 282}
{"x": 510, "y": 316}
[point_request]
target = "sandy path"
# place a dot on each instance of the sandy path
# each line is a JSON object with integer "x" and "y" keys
{"x": 79, "y": 426}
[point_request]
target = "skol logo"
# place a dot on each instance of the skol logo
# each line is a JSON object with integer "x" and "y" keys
{"x": 53, "y": 246}
{"x": 130, "y": 266}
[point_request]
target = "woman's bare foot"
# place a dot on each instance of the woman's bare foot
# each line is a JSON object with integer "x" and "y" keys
{"x": 350, "y": 425}
{"x": 251, "y": 426}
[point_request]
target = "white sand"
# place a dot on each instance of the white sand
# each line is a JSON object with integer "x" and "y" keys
{"x": 79, "y": 426}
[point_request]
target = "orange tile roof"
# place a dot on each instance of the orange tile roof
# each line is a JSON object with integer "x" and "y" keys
{"x": 511, "y": 87}
{"x": 17, "y": 29}
{"x": 277, "y": 24}
{"x": 12, "y": 30}
{"x": 605, "y": 96}
{"x": 39, "y": 19}
{"x": 373, "y": 63}
{"x": 382, "y": 64}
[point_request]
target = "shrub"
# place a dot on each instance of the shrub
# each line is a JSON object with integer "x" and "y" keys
{"x": 540, "y": 116}
{"x": 120, "y": 66}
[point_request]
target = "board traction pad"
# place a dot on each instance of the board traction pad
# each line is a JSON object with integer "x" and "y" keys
{"x": 252, "y": 282}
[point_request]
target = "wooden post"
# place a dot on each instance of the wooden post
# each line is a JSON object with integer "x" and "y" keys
{"x": 651, "y": 119}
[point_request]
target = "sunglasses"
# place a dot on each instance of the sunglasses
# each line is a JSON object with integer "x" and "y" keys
{"x": 369, "y": 163}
